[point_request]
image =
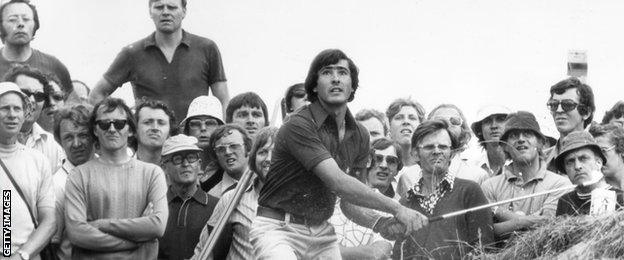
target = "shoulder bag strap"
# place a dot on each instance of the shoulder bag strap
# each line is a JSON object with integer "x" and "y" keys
{"x": 19, "y": 191}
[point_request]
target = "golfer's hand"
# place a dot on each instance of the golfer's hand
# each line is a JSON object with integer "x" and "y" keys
{"x": 390, "y": 228}
{"x": 412, "y": 219}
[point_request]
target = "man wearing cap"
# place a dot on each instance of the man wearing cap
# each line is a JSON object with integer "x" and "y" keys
{"x": 582, "y": 159}
{"x": 523, "y": 144}
{"x": 27, "y": 170}
{"x": 189, "y": 206}
{"x": 155, "y": 123}
{"x": 488, "y": 128}
{"x": 572, "y": 107}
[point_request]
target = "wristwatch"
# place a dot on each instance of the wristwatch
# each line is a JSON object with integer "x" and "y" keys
{"x": 23, "y": 254}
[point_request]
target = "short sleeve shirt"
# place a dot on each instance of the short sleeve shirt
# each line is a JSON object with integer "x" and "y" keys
{"x": 44, "y": 62}
{"x": 196, "y": 65}
{"x": 309, "y": 137}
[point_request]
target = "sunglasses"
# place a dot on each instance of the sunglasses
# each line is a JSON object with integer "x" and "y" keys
{"x": 57, "y": 97}
{"x": 567, "y": 105}
{"x": 391, "y": 160}
{"x": 431, "y": 147}
{"x": 197, "y": 123}
{"x": 117, "y": 123}
{"x": 178, "y": 158}
{"x": 222, "y": 149}
{"x": 456, "y": 121}
{"x": 39, "y": 96}
{"x": 618, "y": 114}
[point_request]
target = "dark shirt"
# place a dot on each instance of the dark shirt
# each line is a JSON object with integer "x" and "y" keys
{"x": 573, "y": 205}
{"x": 186, "y": 220}
{"x": 44, "y": 62}
{"x": 196, "y": 65}
{"x": 449, "y": 238}
{"x": 309, "y": 137}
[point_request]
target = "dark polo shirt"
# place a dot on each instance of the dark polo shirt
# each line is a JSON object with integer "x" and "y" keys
{"x": 196, "y": 65}
{"x": 45, "y": 63}
{"x": 309, "y": 137}
{"x": 186, "y": 220}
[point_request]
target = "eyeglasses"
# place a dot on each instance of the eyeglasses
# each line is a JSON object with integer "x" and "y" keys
{"x": 222, "y": 149}
{"x": 178, "y": 158}
{"x": 453, "y": 120}
{"x": 606, "y": 149}
{"x": 567, "y": 105}
{"x": 391, "y": 160}
{"x": 39, "y": 96}
{"x": 618, "y": 114}
{"x": 197, "y": 123}
{"x": 431, "y": 147}
{"x": 117, "y": 123}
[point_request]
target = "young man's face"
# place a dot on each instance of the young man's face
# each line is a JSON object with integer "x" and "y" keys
{"x": 183, "y": 167}
{"x": 333, "y": 86}
{"x": 615, "y": 162}
{"x": 299, "y": 99}
{"x": 153, "y": 127}
{"x": 249, "y": 118}
{"x": 385, "y": 167}
{"x": 375, "y": 128}
{"x": 18, "y": 23}
{"x": 263, "y": 158}
{"x": 76, "y": 142}
{"x": 572, "y": 120}
{"x": 231, "y": 153}
{"x": 110, "y": 138}
{"x": 55, "y": 102}
{"x": 523, "y": 146}
{"x": 434, "y": 152}
{"x": 201, "y": 127}
{"x": 32, "y": 88}
{"x": 583, "y": 166}
{"x": 402, "y": 125}
{"x": 11, "y": 115}
{"x": 167, "y": 15}
{"x": 492, "y": 127}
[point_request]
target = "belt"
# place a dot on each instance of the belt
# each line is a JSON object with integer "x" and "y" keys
{"x": 281, "y": 215}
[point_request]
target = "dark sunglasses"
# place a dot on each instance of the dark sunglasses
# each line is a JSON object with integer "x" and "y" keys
{"x": 391, "y": 160}
{"x": 567, "y": 105}
{"x": 39, "y": 96}
{"x": 618, "y": 114}
{"x": 178, "y": 158}
{"x": 57, "y": 97}
{"x": 117, "y": 123}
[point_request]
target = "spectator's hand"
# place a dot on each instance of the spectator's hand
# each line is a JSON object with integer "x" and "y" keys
{"x": 98, "y": 223}
{"x": 413, "y": 220}
{"x": 529, "y": 221}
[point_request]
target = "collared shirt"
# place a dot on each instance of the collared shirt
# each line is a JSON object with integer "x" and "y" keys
{"x": 483, "y": 162}
{"x": 511, "y": 185}
{"x": 309, "y": 137}
{"x": 187, "y": 217}
{"x": 59, "y": 179}
{"x": 428, "y": 202}
{"x": 44, "y": 62}
{"x": 241, "y": 219}
{"x": 195, "y": 66}
{"x": 224, "y": 185}
{"x": 44, "y": 142}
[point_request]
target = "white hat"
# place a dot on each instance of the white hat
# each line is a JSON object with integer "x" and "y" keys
{"x": 6, "y": 87}
{"x": 486, "y": 111}
{"x": 204, "y": 106}
{"x": 179, "y": 143}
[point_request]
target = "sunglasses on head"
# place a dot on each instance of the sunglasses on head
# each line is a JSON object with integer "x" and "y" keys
{"x": 39, "y": 96}
{"x": 391, "y": 160}
{"x": 456, "y": 121}
{"x": 117, "y": 123}
{"x": 567, "y": 105}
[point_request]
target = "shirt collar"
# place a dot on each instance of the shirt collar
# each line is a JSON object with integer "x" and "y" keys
{"x": 511, "y": 176}
{"x": 320, "y": 115}
{"x": 151, "y": 40}
{"x": 200, "y": 196}
{"x": 67, "y": 166}
{"x": 446, "y": 184}
{"x": 39, "y": 133}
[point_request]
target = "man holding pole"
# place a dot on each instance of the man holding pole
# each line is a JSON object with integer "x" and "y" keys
{"x": 313, "y": 151}
{"x": 523, "y": 143}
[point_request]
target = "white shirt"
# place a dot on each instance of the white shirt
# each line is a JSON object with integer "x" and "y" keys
{"x": 43, "y": 141}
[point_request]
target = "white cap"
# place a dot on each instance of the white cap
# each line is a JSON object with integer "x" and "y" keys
{"x": 179, "y": 143}
{"x": 486, "y": 111}
{"x": 6, "y": 87}
{"x": 204, "y": 106}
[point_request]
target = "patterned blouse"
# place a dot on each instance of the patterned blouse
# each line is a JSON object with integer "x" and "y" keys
{"x": 429, "y": 202}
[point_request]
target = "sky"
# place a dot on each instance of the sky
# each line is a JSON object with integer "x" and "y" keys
{"x": 467, "y": 52}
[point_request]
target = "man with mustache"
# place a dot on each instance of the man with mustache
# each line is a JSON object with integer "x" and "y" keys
{"x": 20, "y": 22}
{"x": 71, "y": 130}
{"x": 572, "y": 107}
{"x": 155, "y": 123}
{"x": 523, "y": 143}
{"x": 248, "y": 111}
{"x": 171, "y": 64}
{"x": 116, "y": 205}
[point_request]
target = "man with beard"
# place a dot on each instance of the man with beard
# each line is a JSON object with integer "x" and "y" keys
{"x": 71, "y": 130}
{"x": 523, "y": 143}
{"x": 248, "y": 111}
{"x": 170, "y": 64}
{"x": 230, "y": 145}
{"x": 488, "y": 128}
{"x": 20, "y": 22}
{"x": 115, "y": 206}
{"x": 155, "y": 123}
